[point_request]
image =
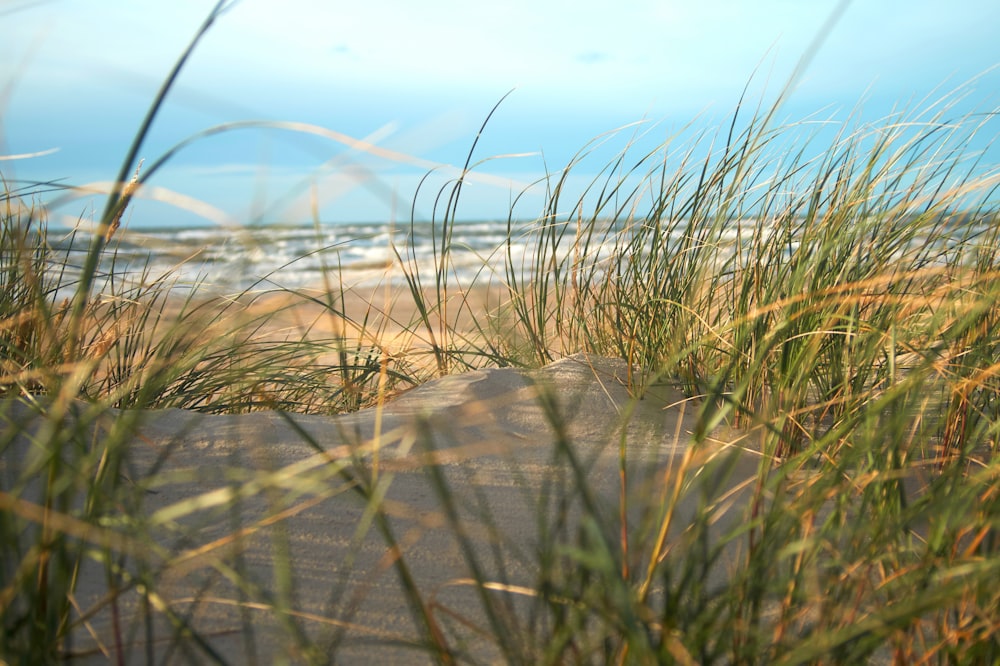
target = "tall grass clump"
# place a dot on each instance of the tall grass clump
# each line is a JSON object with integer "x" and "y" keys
{"x": 459, "y": 336}
{"x": 769, "y": 269}
{"x": 146, "y": 340}
{"x": 836, "y": 302}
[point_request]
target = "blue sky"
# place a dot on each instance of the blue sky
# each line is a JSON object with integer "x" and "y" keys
{"x": 418, "y": 79}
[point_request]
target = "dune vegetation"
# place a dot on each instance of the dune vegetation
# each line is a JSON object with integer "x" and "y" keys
{"x": 836, "y": 304}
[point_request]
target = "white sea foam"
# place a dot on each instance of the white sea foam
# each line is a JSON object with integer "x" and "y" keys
{"x": 293, "y": 257}
{"x": 231, "y": 260}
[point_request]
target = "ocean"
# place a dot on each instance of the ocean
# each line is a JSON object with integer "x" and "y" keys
{"x": 213, "y": 259}
{"x": 231, "y": 261}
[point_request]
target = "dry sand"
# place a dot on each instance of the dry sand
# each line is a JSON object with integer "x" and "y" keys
{"x": 384, "y": 317}
{"x": 389, "y": 307}
{"x": 487, "y": 432}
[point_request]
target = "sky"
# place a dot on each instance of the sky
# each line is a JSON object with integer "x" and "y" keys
{"x": 414, "y": 82}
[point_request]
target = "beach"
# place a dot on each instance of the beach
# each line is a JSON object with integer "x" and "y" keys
{"x": 741, "y": 412}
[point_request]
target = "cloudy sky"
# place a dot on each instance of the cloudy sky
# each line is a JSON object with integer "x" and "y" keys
{"x": 418, "y": 79}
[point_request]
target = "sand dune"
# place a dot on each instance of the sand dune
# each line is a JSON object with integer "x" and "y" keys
{"x": 505, "y": 444}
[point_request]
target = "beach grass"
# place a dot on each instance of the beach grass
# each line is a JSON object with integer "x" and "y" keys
{"x": 833, "y": 306}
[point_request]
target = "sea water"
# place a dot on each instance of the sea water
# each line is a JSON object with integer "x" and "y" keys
{"x": 213, "y": 259}
{"x": 233, "y": 260}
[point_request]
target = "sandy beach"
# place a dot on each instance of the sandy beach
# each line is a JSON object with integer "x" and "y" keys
{"x": 387, "y": 313}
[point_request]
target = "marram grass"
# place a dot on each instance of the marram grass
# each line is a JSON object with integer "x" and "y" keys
{"x": 834, "y": 304}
